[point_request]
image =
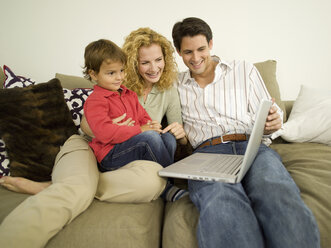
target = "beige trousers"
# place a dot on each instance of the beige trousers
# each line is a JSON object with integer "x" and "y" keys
{"x": 74, "y": 184}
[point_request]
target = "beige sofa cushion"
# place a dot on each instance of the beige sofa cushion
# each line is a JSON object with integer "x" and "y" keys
{"x": 113, "y": 225}
{"x": 310, "y": 166}
{"x": 180, "y": 224}
{"x": 72, "y": 82}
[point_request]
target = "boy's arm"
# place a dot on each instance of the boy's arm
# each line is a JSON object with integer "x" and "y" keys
{"x": 96, "y": 112}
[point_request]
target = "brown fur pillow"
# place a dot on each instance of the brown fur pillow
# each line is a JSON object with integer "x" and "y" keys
{"x": 34, "y": 122}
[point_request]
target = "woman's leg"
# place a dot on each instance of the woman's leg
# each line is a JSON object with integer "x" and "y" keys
{"x": 135, "y": 182}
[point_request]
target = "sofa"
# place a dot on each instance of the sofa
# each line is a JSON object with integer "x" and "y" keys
{"x": 173, "y": 224}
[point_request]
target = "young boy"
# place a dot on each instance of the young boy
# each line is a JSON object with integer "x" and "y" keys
{"x": 117, "y": 144}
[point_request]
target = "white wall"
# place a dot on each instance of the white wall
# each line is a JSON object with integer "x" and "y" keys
{"x": 42, "y": 37}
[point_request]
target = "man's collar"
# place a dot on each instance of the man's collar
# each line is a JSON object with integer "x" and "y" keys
{"x": 221, "y": 66}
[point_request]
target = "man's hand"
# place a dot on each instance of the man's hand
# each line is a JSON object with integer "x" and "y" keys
{"x": 176, "y": 130}
{"x": 274, "y": 122}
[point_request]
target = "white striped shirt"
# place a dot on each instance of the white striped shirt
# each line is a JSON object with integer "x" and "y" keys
{"x": 225, "y": 106}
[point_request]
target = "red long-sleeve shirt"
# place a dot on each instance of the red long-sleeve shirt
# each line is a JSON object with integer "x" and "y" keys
{"x": 101, "y": 107}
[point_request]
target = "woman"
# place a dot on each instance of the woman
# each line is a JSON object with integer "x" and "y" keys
{"x": 151, "y": 72}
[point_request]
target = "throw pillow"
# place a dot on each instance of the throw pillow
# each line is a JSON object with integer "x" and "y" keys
{"x": 13, "y": 80}
{"x": 75, "y": 100}
{"x": 267, "y": 70}
{"x": 10, "y": 80}
{"x": 4, "y": 161}
{"x": 34, "y": 123}
{"x": 310, "y": 118}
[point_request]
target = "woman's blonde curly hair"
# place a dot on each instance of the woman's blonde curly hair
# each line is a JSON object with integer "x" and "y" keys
{"x": 146, "y": 37}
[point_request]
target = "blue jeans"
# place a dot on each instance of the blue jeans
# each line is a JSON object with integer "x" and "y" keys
{"x": 148, "y": 145}
{"x": 264, "y": 210}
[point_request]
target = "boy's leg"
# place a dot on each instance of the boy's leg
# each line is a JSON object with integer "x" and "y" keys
{"x": 144, "y": 146}
{"x": 40, "y": 217}
{"x": 285, "y": 219}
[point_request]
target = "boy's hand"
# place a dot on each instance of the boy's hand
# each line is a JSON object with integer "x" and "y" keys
{"x": 151, "y": 125}
{"x": 128, "y": 122}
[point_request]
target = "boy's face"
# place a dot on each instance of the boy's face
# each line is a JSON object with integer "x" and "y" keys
{"x": 110, "y": 75}
{"x": 195, "y": 52}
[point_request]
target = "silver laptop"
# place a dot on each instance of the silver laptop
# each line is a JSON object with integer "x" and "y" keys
{"x": 221, "y": 167}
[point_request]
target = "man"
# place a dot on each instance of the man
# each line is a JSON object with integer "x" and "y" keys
{"x": 220, "y": 99}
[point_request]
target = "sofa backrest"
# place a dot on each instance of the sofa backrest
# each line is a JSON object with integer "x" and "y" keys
{"x": 267, "y": 70}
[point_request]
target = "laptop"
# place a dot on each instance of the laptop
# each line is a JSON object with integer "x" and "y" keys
{"x": 227, "y": 168}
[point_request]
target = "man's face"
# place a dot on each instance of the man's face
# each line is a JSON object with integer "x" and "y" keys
{"x": 195, "y": 52}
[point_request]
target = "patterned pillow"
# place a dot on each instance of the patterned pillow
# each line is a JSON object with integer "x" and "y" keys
{"x": 75, "y": 100}
{"x": 13, "y": 81}
{"x": 4, "y": 161}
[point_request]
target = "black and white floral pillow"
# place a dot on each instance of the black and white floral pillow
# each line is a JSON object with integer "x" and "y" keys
{"x": 13, "y": 80}
{"x": 75, "y": 100}
{"x": 4, "y": 161}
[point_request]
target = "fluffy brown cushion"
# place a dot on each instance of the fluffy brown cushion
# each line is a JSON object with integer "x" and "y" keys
{"x": 34, "y": 123}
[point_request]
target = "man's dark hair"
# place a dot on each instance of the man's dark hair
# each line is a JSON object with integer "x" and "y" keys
{"x": 190, "y": 26}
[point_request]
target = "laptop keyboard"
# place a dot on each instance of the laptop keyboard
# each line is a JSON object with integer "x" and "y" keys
{"x": 227, "y": 164}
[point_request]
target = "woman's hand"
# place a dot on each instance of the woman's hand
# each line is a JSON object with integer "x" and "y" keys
{"x": 176, "y": 130}
{"x": 151, "y": 125}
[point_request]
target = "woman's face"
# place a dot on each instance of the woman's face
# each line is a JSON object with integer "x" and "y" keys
{"x": 150, "y": 63}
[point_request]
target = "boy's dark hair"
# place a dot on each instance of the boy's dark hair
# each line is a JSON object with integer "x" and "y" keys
{"x": 101, "y": 50}
{"x": 190, "y": 26}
